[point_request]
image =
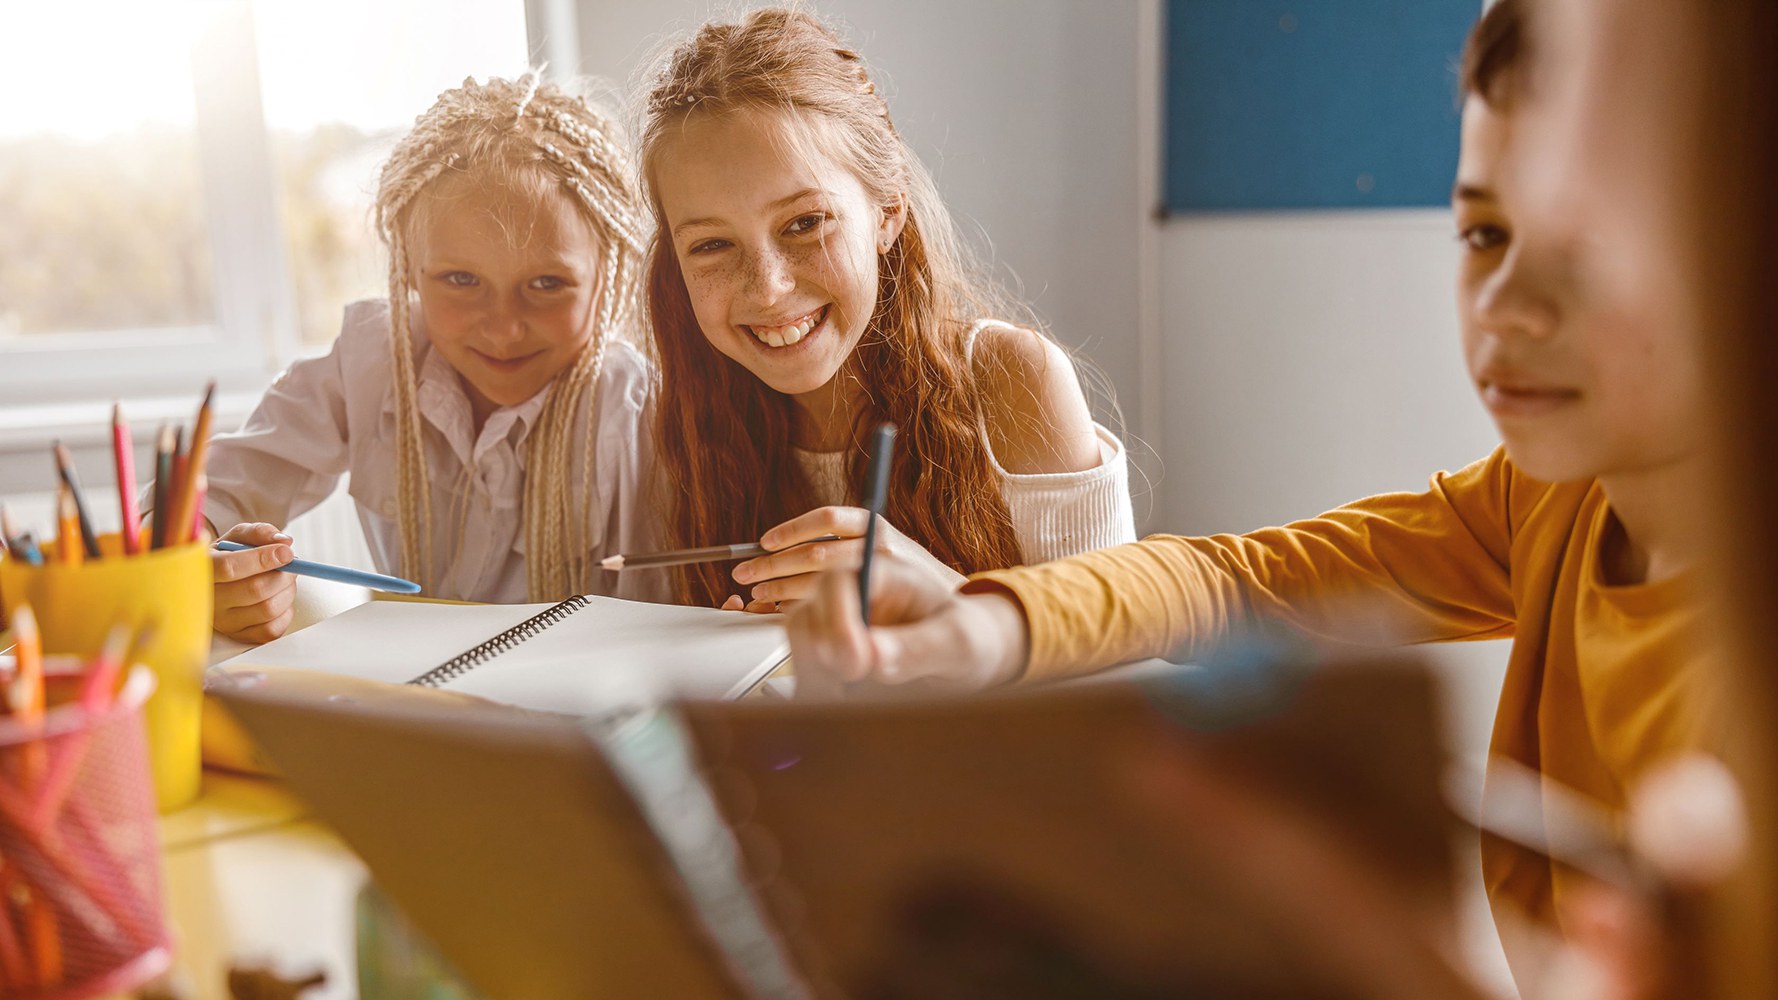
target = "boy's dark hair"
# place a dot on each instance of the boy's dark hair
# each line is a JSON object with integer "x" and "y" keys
{"x": 1493, "y": 64}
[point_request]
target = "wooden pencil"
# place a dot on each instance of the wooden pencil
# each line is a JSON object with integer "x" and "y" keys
{"x": 164, "y": 446}
{"x": 89, "y": 539}
{"x": 709, "y": 553}
{"x": 186, "y": 478}
{"x": 123, "y": 457}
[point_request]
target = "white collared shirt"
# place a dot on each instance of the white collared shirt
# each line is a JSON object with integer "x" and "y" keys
{"x": 335, "y": 415}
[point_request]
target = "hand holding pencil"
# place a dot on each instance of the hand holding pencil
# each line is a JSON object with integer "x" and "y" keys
{"x": 253, "y": 600}
{"x": 829, "y": 538}
{"x": 825, "y": 538}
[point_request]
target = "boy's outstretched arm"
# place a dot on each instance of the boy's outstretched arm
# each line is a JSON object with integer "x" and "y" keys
{"x": 1392, "y": 569}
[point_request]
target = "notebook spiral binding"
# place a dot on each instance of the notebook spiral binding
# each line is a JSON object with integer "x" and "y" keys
{"x": 469, "y": 659}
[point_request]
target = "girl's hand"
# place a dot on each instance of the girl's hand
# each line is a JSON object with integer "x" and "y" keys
{"x": 253, "y": 599}
{"x": 924, "y": 635}
{"x": 787, "y": 574}
{"x": 735, "y": 603}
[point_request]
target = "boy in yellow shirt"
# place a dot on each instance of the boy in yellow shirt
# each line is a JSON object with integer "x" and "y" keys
{"x": 1570, "y": 539}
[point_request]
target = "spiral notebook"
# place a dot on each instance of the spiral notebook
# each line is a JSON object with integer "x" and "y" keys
{"x": 549, "y": 657}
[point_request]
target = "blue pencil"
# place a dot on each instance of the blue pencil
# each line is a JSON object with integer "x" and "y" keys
{"x": 338, "y": 574}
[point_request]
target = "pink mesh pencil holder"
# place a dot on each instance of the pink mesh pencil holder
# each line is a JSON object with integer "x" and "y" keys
{"x": 80, "y": 871}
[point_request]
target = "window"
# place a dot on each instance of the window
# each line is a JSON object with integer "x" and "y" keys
{"x": 160, "y": 222}
{"x": 342, "y": 81}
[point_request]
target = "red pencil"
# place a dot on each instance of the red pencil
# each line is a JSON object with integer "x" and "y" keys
{"x": 200, "y": 487}
{"x": 123, "y": 452}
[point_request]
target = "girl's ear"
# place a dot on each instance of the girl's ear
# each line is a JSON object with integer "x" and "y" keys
{"x": 895, "y": 216}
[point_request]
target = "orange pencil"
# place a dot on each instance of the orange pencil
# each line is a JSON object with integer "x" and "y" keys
{"x": 187, "y": 482}
{"x": 25, "y": 699}
{"x": 27, "y": 702}
{"x": 69, "y": 549}
{"x": 123, "y": 454}
{"x": 12, "y": 950}
{"x": 46, "y": 940}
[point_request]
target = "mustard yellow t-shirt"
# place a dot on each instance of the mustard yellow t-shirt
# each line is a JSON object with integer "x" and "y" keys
{"x": 1600, "y": 681}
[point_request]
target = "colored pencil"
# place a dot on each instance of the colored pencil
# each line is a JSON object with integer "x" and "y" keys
{"x": 21, "y": 544}
{"x": 199, "y": 489}
{"x": 65, "y": 468}
{"x": 164, "y": 444}
{"x": 25, "y": 546}
{"x": 25, "y": 696}
{"x": 186, "y": 478}
{"x": 97, "y": 692}
{"x": 176, "y": 483}
{"x": 123, "y": 455}
{"x": 876, "y": 493}
{"x": 12, "y": 950}
{"x": 70, "y": 550}
{"x": 338, "y": 574}
{"x": 100, "y": 684}
{"x": 710, "y": 553}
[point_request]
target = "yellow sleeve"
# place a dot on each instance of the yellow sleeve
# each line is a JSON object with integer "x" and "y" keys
{"x": 1393, "y": 569}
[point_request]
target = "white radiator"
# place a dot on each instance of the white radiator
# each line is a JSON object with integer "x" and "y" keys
{"x": 330, "y": 533}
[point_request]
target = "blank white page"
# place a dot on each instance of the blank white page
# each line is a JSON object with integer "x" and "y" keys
{"x": 690, "y": 652}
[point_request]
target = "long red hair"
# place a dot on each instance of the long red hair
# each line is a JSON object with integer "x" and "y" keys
{"x": 723, "y": 437}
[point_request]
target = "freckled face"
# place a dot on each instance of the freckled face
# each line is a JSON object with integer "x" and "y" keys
{"x": 507, "y": 282}
{"x": 777, "y": 241}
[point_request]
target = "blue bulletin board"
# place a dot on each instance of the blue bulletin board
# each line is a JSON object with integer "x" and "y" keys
{"x": 1315, "y": 104}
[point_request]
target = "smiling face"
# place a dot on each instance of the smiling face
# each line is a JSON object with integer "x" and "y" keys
{"x": 1578, "y": 386}
{"x": 507, "y": 282}
{"x": 778, "y": 243}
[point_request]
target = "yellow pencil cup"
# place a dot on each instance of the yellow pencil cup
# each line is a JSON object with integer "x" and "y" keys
{"x": 76, "y": 607}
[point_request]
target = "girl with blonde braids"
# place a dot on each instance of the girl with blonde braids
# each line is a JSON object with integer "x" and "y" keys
{"x": 805, "y": 283}
{"x": 493, "y": 413}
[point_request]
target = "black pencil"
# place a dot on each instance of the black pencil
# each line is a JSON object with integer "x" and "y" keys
{"x": 89, "y": 539}
{"x": 876, "y": 493}
{"x": 164, "y": 447}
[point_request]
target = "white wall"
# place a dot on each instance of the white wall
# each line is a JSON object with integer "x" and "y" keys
{"x": 1310, "y": 359}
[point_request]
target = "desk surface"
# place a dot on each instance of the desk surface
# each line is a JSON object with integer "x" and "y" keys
{"x": 249, "y": 881}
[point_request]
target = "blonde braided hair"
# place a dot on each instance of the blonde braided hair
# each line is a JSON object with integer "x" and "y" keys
{"x": 506, "y": 132}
